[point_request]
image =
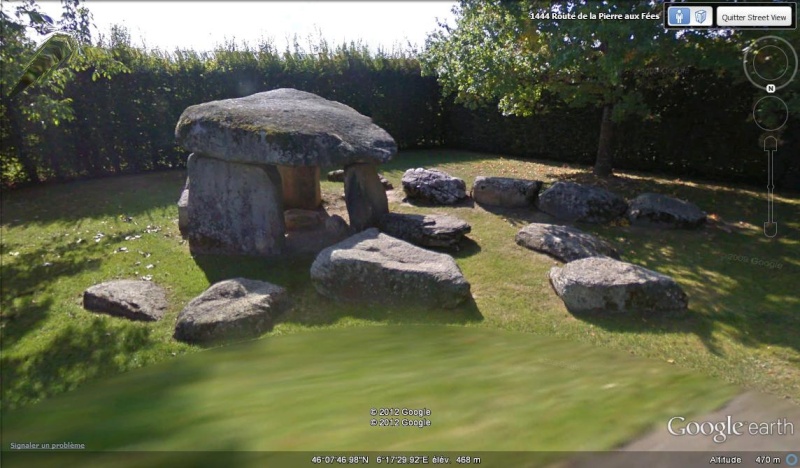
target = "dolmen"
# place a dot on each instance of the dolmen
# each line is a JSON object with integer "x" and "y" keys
{"x": 662, "y": 211}
{"x": 372, "y": 267}
{"x": 585, "y": 203}
{"x": 434, "y": 187}
{"x": 505, "y": 191}
{"x": 257, "y": 156}
{"x": 603, "y": 284}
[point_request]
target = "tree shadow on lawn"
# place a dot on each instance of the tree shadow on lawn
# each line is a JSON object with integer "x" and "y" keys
{"x": 311, "y": 308}
{"x": 93, "y": 351}
{"x": 128, "y": 195}
{"x": 23, "y": 281}
{"x": 757, "y": 305}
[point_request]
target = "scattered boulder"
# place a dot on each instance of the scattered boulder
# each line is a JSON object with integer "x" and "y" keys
{"x": 132, "y": 299}
{"x": 575, "y": 202}
{"x": 338, "y": 176}
{"x": 375, "y": 268}
{"x": 364, "y": 195}
{"x": 604, "y": 284}
{"x": 183, "y": 210}
{"x": 656, "y": 210}
{"x": 564, "y": 243}
{"x": 433, "y": 186}
{"x": 284, "y": 127}
{"x": 425, "y": 230}
{"x": 232, "y": 309}
{"x": 504, "y": 191}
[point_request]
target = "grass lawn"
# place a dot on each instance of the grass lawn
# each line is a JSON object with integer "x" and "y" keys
{"x": 742, "y": 328}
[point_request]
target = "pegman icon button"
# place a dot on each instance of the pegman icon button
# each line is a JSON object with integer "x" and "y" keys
{"x": 770, "y": 88}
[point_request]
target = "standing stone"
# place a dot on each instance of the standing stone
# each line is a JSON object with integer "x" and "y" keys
{"x": 364, "y": 195}
{"x": 504, "y": 191}
{"x": 132, "y": 299}
{"x": 575, "y": 202}
{"x": 300, "y": 187}
{"x": 657, "y": 210}
{"x": 234, "y": 208}
{"x": 433, "y": 186}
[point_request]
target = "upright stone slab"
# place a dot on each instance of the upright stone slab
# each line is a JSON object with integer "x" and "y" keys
{"x": 234, "y": 208}
{"x": 364, "y": 195}
{"x": 300, "y": 187}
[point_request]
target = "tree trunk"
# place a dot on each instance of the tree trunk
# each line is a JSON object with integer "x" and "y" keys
{"x": 604, "y": 164}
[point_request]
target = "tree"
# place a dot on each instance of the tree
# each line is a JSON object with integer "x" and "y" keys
{"x": 65, "y": 50}
{"x": 517, "y": 52}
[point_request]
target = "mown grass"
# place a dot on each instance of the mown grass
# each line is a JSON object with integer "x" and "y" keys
{"x": 742, "y": 326}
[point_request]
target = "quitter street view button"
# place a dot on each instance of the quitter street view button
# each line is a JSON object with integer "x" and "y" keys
{"x": 763, "y": 16}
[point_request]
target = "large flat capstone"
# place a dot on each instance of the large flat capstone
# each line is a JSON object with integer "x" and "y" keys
{"x": 375, "y": 268}
{"x": 284, "y": 127}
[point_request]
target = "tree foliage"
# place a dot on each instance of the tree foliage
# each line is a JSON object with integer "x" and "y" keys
{"x": 520, "y": 54}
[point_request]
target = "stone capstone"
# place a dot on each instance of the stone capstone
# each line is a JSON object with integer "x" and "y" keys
{"x": 504, "y": 191}
{"x": 433, "y": 186}
{"x": 234, "y": 208}
{"x": 237, "y": 308}
{"x": 439, "y": 231}
{"x": 603, "y": 284}
{"x": 132, "y": 299}
{"x": 284, "y": 127}
{"x": 564, "y": 243}
{"x": 375, "y": 268}
{"x": 656, "y": 210}
{"x": 575, "y": 202}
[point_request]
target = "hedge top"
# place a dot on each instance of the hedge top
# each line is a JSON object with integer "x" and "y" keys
{"x": 285, "y": 127}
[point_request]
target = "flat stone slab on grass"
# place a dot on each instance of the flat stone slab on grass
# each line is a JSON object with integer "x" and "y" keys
{"x": 132, "y": 299}
{"x": 564, "y": 243}
{"x": 504, "y": 191}
{"x": 285, "y": 127}
{"x": 433, "y": 186}
{"x": 372, "y": 267}
{"x": 657, "y": 210}
{"x": 425, "y": 230}
{"x": 575, "y": 202}
{"x": 232, "y": 309}
{"x": 598, "y": 284}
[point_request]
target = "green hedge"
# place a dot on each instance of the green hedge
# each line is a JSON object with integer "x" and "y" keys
{"x": 126, "y": 124}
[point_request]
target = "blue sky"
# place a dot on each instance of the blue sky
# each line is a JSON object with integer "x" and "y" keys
{"x": 201, "y": 25}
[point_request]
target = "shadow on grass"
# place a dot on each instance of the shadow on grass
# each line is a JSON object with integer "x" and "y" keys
{"x": 130, "y": 195}
{"x": 92, "y": 351}
{"x": 312, "y": 309}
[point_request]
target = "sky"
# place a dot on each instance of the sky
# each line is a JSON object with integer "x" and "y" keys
{"x": 202, "y": 25}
